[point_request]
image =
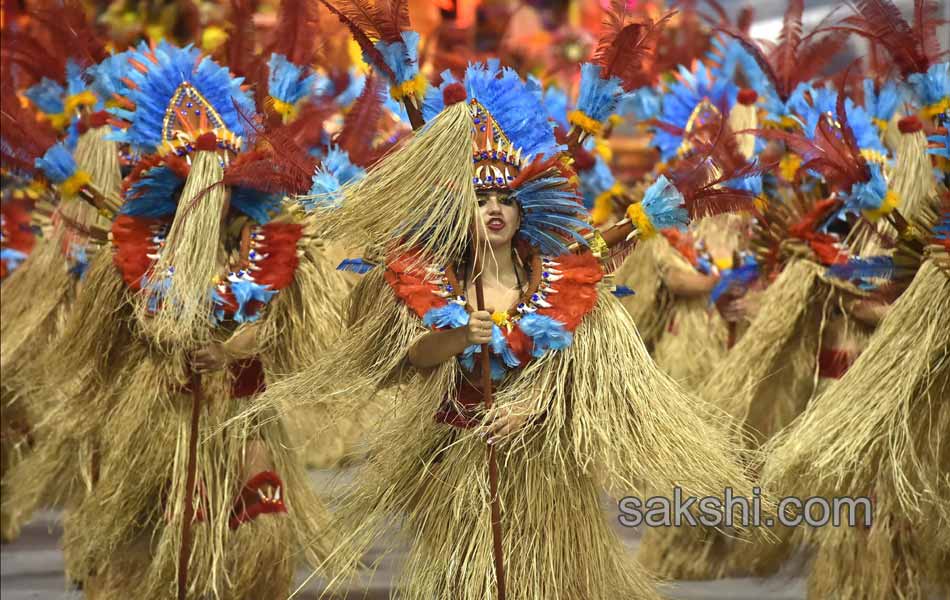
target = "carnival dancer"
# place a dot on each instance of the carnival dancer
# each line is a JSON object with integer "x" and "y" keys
{"x": 201, "y": 298}
{"x": 480, "y": 193}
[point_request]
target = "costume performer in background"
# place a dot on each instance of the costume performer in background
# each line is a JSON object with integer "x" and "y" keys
{"x": 203, "y": 295}
{"x": 37, "y": 302}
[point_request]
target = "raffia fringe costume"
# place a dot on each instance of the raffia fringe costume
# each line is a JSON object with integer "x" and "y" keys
{"x": 133, "y": 398}
{"x": 695, "y": 337}
{"x": 120, "y": 381}
{"x": 37, "y": 300}
{"x": 604, "y": 427}
{"x": 881, "y": 430}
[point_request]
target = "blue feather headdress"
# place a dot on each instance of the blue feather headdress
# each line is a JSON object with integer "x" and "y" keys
{"x": 513, "y": 107}
{"x": 178, "y": 95}
{"x": 108, "y": 78}
{"x": 681, "y": 100}
{"x": 512, "y": 134}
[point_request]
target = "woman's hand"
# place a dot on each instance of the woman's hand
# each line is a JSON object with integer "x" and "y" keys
{"x": 734, "y": 309}
{"x": 212, "y": 357}
{"x": 479, "y": 328}
{"x": 504, "y": 422}
{"x": 436, "y": 347}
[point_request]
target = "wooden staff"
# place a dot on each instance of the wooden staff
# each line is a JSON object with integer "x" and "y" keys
{"x": 184, "y": 553}
{"x": 492, "y": 460}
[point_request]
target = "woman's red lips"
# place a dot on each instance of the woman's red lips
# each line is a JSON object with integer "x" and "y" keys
{"x": 496, "y": 224}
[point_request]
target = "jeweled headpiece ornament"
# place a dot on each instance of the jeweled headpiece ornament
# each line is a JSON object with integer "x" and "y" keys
{"x": 175, "y": 97}
{"x": 497, "y": 161}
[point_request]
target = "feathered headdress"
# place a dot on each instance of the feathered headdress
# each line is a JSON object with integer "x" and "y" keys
{"x": 421, "y": 198}
{"x": 176, "y": 97}
{"x": 693, "y": 95}
{"x": 833, "y": 151}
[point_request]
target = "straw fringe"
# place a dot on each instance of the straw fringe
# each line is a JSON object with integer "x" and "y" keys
{"x": 695, "y": 340}
{"x": 890, "y": 560}
{"x": 767, "y": 378}
{"x": 75, "y": 375}
{"x": 193, "y": 249}
{"x": 613, "y": 424}
{"x": 885, "y": 422}
{"x": 37, "y": 296}
{"x": 649, "y": 306}
{"x": 431, "y": 175}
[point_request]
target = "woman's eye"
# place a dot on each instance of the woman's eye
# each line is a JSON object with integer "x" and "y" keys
{"x": 507, "y": 201}
{"x": 482, "y": 202}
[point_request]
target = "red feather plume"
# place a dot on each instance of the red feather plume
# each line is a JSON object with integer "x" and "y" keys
{"x": 278, "y": 164}
{"x": 626, "y": 51}
{"x": 67, "y": 25}
{"x": 24, "y": 137}
{"x": 912, "y": 48}
{"x": 796, "y": 57}
{"x": 298, "y": 31}
{"x": 362, "y": 118}
{"x": 239, "y": 50}
{"x": 360, "y": 18}
{"x": 715, "y": 160}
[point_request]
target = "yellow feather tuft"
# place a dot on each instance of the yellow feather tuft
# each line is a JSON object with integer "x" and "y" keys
{"x": 889, "y": 203}
{"x": 589, "y": 125}
{"x": 415, "y": 87}
{"x": 74, "y": 183}
{"x": 639, "y": 216}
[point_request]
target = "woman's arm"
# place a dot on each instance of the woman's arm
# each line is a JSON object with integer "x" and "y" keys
{"x": 685, "y": 283}
{"x": 436, "y": 347}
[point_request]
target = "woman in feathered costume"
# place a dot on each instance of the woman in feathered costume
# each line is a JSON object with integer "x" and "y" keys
{"x": 480, "y": 193}
{"x": 880, "y": 430}
{"x": 201, "y": 300}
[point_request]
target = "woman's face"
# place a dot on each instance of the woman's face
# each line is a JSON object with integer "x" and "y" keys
{"x": 500, "y": 218}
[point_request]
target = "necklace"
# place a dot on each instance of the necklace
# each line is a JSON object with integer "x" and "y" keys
{"x": 505, "y": 318}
